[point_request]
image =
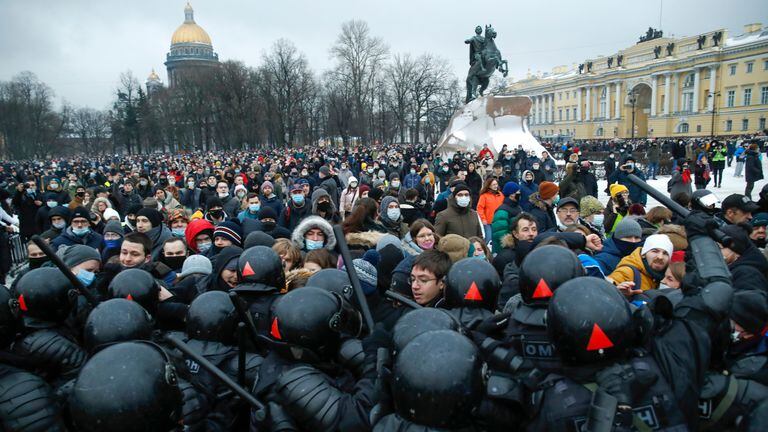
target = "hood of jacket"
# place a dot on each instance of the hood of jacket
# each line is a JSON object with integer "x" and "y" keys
{"x": 313, "y": 222}
{"x": 536, "y": 201}
{"x": 194, "y": 228}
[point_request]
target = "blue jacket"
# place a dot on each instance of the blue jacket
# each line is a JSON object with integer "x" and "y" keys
{"x": 612, "y": 253}
{"x": 526, "y": 190}
{"x": 636, "y": 194}
{"x": 68, "y": 238}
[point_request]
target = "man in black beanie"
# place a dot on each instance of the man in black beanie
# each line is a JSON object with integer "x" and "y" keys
{"x": 747, "y": 265}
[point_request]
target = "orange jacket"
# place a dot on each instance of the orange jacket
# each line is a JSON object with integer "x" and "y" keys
{"x": 487, "y": 205}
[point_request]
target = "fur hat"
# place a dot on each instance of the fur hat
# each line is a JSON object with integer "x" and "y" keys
{"x": 676, "y": 234}
{"x": 313, "y": 222}
{"x": 590, "y": 205}
{"x": 456, "y": 246}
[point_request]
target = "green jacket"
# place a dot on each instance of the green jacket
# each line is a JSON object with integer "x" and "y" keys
{"x": 502, "y": 221}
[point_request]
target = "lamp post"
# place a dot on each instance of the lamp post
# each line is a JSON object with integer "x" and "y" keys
{"x": 714, "y": 109}
{"x": 633, "y": 99}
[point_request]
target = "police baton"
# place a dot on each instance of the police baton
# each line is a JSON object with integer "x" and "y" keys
{"x": 681, "y": 211}
{"x": 396, "y": 296}
{"x": 260, "y": 413}
{"x": 362, "y": 302}
{"x": 56, "y": 260}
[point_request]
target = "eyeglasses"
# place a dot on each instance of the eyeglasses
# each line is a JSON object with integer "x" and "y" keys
{"x": 420, "y": 281}
{"x": 568, "y": 211}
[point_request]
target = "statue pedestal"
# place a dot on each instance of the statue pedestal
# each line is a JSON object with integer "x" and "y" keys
{"x": 492, "y": 120}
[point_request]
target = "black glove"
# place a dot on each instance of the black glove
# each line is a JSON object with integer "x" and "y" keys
{"x": 699, "y": 223}
{"x": 494, "y": 325}
{"x": 622, "y": 381}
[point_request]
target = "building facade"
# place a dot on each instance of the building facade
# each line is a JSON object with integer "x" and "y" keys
{"x": 708, "y": 84}
{"x": 191, "y": 49}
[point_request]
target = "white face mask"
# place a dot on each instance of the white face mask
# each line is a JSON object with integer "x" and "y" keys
{"x": 393, "y": 214}
{"x": 462, "y": 201}
{"x": 598, "y": 219}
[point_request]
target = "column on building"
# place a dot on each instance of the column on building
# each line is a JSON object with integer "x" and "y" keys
{"x": 653, "y": 95}
{"x": 587, "y": 116}
{"x": 608, "y": 101}
{"x": 545, "y": 108}
{"x": 541, "y": 109}
{"x": 617, "y": 102}
{"x": 578, "y": 104}
{"x": 676, "y": 92}
{"x": 696, "y": 79}
{"x": 552, "y": 108}
{"x": 712, "y": 77}
{"x": 667, "y": 79}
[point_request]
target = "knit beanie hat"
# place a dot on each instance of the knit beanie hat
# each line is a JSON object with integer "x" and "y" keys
{"x": 150, "y": 202}
{"x": 750, "y": 310}
{"x": 510, "y": 188}
{"x": 154, "y": 216}
{"x": 367, "y": 274}
{"x": 657, "y": 241}
{"x": 258, "y": 238}
{"x": 196, "y": 264}
{"x": 114, "y": 227}
{"x": 111, "y": 213}
{"x": 628, "y": 228}
{"x": 267, "y": 184}
{"x": 239, "y": 188}
{"x": 388, "y": 239}
{"x": 213, "y": 202}
{"x": 176, "y": 214}
{"x": 231, "y": 231}
{"x": 456, "y": 246}
{"x": 616, "y": 189}
{"x": 77, "y": 254}
{"x": 80, "y": 212}
{"x": 548, "y": 190}
{"x": 267, "y": 213}
{"x": 590, "y": 206}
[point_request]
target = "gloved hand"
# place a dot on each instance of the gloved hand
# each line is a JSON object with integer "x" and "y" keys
{"x": 493, "y": 325}
{"x": 699, "y": 223}
{"x": 622, "y": 381}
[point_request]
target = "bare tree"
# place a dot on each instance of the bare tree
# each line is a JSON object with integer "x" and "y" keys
{"x": 92, "y": 128}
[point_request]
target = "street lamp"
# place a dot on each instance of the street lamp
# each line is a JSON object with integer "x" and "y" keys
{"x": 713, "y": 96}
{"x": 633, "y": 99}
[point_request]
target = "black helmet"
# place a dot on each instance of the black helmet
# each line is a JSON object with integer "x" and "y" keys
{"x": 332, "y": 280}
{"x": 705, "y": 201}
{"x": 130, "y": 386}
{"x": 472, "y": 283}
{"x": 9, "y": 314}
{"x": 137, "y": 285}
{"x": 438, "y": 379}
{"x": 212, "y": 317}
{"x": 588, "y": 320}
{"x": 260, "y": 265}
{"x": 420, "y": 321}
{"x": 544, "y": 269}
{"x": 44, "y": 294}
{"x": 314, "y": 319}
{"x": 116, "y": 320}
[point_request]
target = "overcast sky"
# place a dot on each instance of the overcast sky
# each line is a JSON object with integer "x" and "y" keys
{"x": 80, "y": 47}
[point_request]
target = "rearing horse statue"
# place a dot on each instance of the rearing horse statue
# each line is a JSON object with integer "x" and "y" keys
{"x": 484, "y": 59}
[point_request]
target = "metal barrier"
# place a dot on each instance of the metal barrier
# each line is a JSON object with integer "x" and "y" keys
{"x": 18, "y": 250}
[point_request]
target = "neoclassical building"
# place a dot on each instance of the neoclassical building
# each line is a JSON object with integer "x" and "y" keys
{"x": 702, "y": 85}
{"x": 191, "y": 49}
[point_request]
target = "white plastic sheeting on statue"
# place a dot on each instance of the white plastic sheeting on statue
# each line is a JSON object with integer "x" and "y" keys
{"x": 492, "y": 120}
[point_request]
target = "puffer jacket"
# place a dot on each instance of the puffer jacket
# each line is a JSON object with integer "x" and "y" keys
{"x": 458, "y": 220}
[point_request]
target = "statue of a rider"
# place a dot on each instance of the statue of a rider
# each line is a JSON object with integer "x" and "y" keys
{"x": 476, "y": 47}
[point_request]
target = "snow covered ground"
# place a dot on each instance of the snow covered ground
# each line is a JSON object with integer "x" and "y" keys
{"x": 731, "y": 185}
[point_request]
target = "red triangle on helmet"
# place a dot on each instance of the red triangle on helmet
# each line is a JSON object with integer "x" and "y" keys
{"x": 473, "y": 294}
{"x": 542, "y": 290}
{"x": 275, "y": 332}
{"x": 598, "y": 340}
{"x": 247, "y": 270}
{"x": 129, "y": 297}
{"x": 22, "y": 303}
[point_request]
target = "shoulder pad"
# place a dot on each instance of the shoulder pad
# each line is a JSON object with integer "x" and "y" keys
{"x": 309, "y": 398}
{"x": 27, "y": 402}
{"x": 49, "y": 349}
{"x": 352, "y": 356}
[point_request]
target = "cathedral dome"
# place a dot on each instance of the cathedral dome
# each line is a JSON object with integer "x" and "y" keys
{"x": 189, "y": 31}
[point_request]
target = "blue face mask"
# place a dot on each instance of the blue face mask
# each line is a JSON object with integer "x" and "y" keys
{"x": 178, "y": 232}
{"x": 80, "y": 232}
{"x": 85, "y": 277}
{"x": 112, "y": 244}
{"x": 203, "y": 247}
{"x": 253, "y": 208}
{"x": 481, "y": 256}
{"x": 30, "y": 191}
{"x": 298, "y": 198}
{"x": 313, "y": 244}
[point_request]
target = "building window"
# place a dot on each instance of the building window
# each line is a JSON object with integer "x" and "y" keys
{"x": 765, "y": 65}
{"x": 687, "y": 102}
{"x": 744, "y": 124}
{"x": 688, "y": 83}
{"x": 728, "y": 125}
{"x": 762, "y": 123}
{"x": 560, "y": 96}
{"x": 560, "y": 114}
{"x": 698, "y": 128}
{"x": 750, "y": 65}
{"x": 567, "y": 95}
{"x": 747, "y": 97}
{"x": 567, "y": 114}
{"x": 732, "y": 69}
{"x": 708, "y": 74}
{"x": 683, "y": 128}
{"x": 599, "y": 132}
{"x": 764, "y": 95}
{"x": 731, "y": 100}
{"x": 574, "y": 94}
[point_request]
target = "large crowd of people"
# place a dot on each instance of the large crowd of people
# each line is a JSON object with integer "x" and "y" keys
{"x": 387, "y": 288}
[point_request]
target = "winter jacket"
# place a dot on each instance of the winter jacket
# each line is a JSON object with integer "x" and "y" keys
{"x": 502, "y": 221}
{"x": 549, "y": 168}
{"x": 458, "y": 220}
{"x": 578, "y": 184}
{"x": 190, "y": 198}
{"x": 613, "y": 251}
{"x": 636, "y": 195}
{"x": 654, "y": 153}
{"x": 158, "y": 235}
{"x": 753, "y": 169}
{"x": 68, "y": 238}
{"x": 313, "y": 222}
{"x": 680, "y": 183}
{"x": 487, "y": 205}
{"x": 750, "y": 270}
{"x": 195, "y": 228}
{"x": 526, "y": 190}
{"x": 545, "y": 217}
{"x": 27, "y": 212}
{"x": 348, "y": 199}
{"x": 291, "y": 215}
{"x": 274, "y": 203}
{"x": 627, "y": 268}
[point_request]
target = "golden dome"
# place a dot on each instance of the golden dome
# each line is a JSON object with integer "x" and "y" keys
{"x": 189, "y": 31}
{"x": 153, "y": 76}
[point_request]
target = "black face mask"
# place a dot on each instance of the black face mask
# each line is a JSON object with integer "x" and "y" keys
{"x": 218, "y": 214}
{"x": 324, "y": 206}
{"x": 268, "y": 226}
{"x": 37, "y": 262}
{"x": 132, "y": 221}
{"x": 174, "y": 262}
